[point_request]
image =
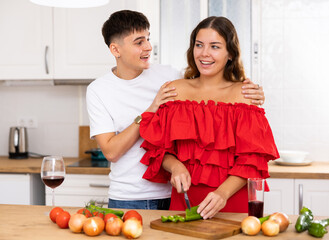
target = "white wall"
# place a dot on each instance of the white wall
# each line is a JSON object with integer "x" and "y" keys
{"x": 59, "y": 111}
{"x": 294, "y": 73}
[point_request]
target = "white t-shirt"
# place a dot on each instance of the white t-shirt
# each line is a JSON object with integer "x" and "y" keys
{"x": 113, "y": 104}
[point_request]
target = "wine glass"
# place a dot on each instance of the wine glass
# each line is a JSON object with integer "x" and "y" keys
{"x": 53, "y": 173}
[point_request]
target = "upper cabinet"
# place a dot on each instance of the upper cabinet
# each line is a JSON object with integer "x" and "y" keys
{"x": 26, "y": 44}
{"x": 40, "y": 42}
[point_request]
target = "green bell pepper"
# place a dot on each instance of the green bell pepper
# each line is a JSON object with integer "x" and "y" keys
{"x": 192, "y": 214}
{"x": 304, "y": 220}
{"x": 317, "y": 228}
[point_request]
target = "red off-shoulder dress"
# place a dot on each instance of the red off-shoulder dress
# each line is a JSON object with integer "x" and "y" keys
{"x": 213, "y": 141}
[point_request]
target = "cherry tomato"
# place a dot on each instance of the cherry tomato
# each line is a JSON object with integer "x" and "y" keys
{"x": 85, "y": 212}
{"x": 54, "y": 213}
{"x": 63, "y": 219}
{"x": 108, "y": 216}
{"x": 132, "y": 214}
{"x": 98, "y": 214}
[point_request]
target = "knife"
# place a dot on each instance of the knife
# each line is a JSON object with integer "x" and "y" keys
{"x": 187, "y": 200}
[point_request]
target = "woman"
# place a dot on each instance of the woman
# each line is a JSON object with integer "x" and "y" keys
{"x": 209, "y": 139}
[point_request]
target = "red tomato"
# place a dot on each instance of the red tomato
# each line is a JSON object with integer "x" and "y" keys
{"x": 132, "y": 214}
{"x": 54, "y": 213}
{"x": 108, "y": 216}
{"x": 85, "y": 212}
{"x": 98, "y": 214}
{"x": 63, "y": 219}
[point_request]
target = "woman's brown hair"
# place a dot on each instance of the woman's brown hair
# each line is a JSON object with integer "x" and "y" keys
{"x": 234, "y": 70}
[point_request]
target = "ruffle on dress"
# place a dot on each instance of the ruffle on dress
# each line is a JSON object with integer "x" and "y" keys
{"x": 212, "y": 140}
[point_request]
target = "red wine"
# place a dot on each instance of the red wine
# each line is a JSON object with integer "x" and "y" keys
{"x": 255, "y": 208}
{"x": 53, "y": 181}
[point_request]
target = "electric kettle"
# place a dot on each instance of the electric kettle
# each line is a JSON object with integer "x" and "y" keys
{"x": 18, "y": 143}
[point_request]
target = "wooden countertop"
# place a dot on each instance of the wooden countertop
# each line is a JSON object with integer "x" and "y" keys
{"x": 33, "y": 165}
{"x": 32, "y": 222}
{"x": 317, "y": 170}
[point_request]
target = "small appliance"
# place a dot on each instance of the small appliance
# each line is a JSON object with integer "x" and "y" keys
{"x": 18, "y": 146}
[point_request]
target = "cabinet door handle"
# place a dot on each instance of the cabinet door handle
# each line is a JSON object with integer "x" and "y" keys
{"x": 300, "y": 189}
{"x": 46, "y": 60}
{"x": 99, "y": 185}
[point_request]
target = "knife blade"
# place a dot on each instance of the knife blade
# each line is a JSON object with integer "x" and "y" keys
{"x": 187, "y": 200}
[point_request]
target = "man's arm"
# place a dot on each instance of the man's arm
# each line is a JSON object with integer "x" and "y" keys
{"x": 115, "y": 145}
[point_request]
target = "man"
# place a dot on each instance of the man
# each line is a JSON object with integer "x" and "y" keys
{"x": 115, "y": 102}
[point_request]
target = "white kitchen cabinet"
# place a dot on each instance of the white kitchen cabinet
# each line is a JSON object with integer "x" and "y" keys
{"x": 26, "y": 47}
{"x": 39, "y": 42}
{"x": 289, "y": 195}
{"x": 79, "y": 189}
{"x": 281, "y": 197}
{"x": 315, "y": 195}
{"x": 27, "y": 189}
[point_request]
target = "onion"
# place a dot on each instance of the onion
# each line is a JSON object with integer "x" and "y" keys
{"x": 76, "y": 222}
{"x": 250, "y": 225}
{"x": 93, "y": 226}
{"x": 282, "y": 219}
{"x": 113, "y": 226}
{"x": 270, "y": 228}
{"x": 132, "y": 228}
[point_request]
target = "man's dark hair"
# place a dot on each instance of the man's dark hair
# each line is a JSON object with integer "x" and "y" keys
{"x": 122, "y": 23}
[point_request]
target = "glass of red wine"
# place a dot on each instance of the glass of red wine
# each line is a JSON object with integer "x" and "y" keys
{"x": 256, "y": 197}
{"x": 53, "y": 173}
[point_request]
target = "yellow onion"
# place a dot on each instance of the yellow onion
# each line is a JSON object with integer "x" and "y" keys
{"x": 250, "y": 225}
{"x": 282, "y": 219}
{"x": 93, "y": 226}
{"x": 132, "y": 228}
{"x": 270, "y": 228}
{"x": 113, "y": 226}
{"x": 76, "y": 222}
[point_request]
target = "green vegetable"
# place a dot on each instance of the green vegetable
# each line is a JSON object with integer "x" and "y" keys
{"x": 318, "y": 228}
{"x": 164, "y": 219}
{"x": 180, "y": 218}
{"x": 263, "y": 219}
{"x": 93, "y": 208}
{"x": 172, "y": 218}
{"x": 192, "y": 214}
{"x": 304, "y": 220}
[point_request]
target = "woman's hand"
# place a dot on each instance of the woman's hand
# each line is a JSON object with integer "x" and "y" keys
{"x": 253, "y": 91}
{"x": 165, "y": 94}
{"x": 179, "y": 174}
{"x": 214, "y": 202}
{"x": 180, "y": 177}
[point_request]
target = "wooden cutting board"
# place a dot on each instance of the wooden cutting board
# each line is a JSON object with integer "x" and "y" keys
{"x": 215, "y": 228}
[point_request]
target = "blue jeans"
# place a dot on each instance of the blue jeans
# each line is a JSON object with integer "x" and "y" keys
{"x": 157, "y": 204}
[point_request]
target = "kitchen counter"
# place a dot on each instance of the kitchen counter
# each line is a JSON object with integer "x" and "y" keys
{"x": 317, "y": 170}
{"x": 33, "y": 165}
{"x": 32, "y": 222}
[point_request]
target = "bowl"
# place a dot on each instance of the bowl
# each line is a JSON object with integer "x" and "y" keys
{"x": 293, "y": 156}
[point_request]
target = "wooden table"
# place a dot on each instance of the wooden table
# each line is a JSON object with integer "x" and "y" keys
{"x": 19, "y": 222}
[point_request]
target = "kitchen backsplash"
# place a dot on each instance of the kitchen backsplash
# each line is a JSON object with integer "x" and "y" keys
{"x": 58, "y": 110}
